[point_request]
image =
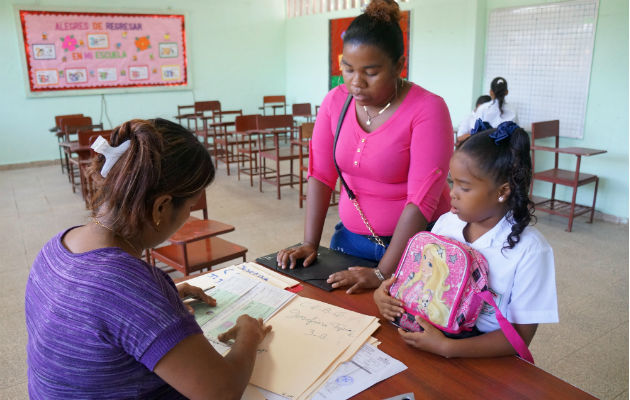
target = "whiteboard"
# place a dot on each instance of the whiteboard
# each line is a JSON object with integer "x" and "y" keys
{"x": 545, "y": 53}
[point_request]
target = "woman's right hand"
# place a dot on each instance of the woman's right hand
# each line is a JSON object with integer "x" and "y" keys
{"x": 288, "y": 257}
{"x": 246, "y": 327}
{"x": 389, "y": 307}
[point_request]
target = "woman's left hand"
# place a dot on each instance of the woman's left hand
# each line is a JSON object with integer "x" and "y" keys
{"x": 431, "y": 339}
{"x": 356, "y": 277}
{"x": 185, "y": 289}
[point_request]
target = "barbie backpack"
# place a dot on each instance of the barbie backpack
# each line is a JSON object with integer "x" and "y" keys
{"x": 446, "y": 282}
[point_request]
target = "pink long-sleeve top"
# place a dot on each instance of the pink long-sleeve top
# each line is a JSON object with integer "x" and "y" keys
{"x": 404, "y": 161}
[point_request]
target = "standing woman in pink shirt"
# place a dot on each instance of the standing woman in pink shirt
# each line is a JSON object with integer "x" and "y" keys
{"x": 393, "y": 151}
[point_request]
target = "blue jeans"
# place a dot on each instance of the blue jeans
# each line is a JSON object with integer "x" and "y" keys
{"x": 355, "y": 245}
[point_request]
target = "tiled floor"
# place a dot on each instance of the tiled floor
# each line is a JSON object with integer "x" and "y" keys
{"x": 588, "y": 348}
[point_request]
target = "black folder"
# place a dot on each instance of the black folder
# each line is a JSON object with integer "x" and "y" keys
{"x": 328, "y": 262}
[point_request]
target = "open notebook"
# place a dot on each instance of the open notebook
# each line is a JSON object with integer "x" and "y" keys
{"x": 328, "y": 262}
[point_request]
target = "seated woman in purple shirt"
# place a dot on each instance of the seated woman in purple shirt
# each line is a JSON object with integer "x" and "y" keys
{"x": 102, "y": 323}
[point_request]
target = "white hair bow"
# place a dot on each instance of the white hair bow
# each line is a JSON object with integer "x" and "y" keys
{"x": 112, "y": 154}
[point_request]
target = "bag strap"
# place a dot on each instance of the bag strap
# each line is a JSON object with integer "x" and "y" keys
{"x": 344, "y": 110}
{"x": 349, "y": 191}
{"x": 508, "y": 330}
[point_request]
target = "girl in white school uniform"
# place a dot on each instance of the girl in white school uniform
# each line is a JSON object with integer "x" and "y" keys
{"x": 494, "y": 112}
{"x": 491, "y": 211}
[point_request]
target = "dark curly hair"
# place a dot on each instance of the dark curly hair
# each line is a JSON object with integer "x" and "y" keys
{"x": 507, "y": 161}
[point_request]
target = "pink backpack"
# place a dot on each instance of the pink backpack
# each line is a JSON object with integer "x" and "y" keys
{"x": 446, "y": 282}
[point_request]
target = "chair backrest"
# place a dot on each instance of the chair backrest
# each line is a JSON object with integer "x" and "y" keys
{"x": 274, "y": 99}
{"x": 545, "y": 129}
{"x": 306, "y": 130}
{"x": 246, "y": 122}
{"x": 201, "y": 204}
{"x": 59, "y": 118}
{"x": 213, "y": 105}
{"x": 301, "y": 109}
{"x": 275, "y": 121}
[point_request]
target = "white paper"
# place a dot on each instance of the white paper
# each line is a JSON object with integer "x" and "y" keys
{"x": 241, "y": 295}
{"x": 368, "y": 367}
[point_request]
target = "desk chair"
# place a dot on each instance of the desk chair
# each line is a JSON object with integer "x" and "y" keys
{"x": 184, "y": 111}
{"x": 70, "y": 128}
{"x": 302, "y": 142}
{"x": 302, "y": 110}
{"x": 195, "y": 246}
{"x": 275, "y": 103}
{"x": 57, "y": 130}
{"x": 247, "y": 129}
{"x": 557, "y": 176}
{"x": 273, "y": 126}
{"x": 203, "y": 110}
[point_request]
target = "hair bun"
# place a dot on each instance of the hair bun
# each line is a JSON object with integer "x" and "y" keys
{"x": 384, "y": 10}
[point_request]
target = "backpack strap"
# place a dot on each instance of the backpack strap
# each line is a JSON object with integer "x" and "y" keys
{"x": 508, "y": 330}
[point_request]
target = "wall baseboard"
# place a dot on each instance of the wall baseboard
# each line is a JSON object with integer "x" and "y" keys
{"x": 45, "y": 163}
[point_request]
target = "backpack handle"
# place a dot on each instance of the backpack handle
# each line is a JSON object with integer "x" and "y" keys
{"x": 508, "y": 330}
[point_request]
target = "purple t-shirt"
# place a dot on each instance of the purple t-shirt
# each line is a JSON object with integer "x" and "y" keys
{"x": 98, "y": 323}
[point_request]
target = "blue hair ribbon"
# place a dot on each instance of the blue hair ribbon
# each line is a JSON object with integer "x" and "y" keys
{"x": 503, "y": 131}
{"x": 480, "y": 126}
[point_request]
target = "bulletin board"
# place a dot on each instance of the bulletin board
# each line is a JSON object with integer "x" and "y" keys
{"x": 338, "y": 28}
{"x": 545, "y": 53}
{"x": 70, "y": 52}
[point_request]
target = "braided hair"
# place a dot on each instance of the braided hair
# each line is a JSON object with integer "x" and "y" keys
{"x": 500, "y": 89}
{"x": 506, "y": 158}
{"x": 378, "y": 26}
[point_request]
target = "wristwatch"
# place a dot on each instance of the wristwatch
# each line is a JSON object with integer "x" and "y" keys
{"x": 379, "y": 274}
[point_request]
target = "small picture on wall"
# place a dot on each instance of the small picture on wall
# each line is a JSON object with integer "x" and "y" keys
{"x": 168, "y": 50}
{"x": 170, "y": 73}
{"x": 76, "y": 75}
{"x": 107, "y": 74}
{"x": 138, "y": 73}
{"x": 44, "y": 52}
{"x": 98, "y": 41}
{"x": 46, "y": 77}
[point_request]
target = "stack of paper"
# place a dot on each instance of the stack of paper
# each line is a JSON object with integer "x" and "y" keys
{"x": 313, "y": 348}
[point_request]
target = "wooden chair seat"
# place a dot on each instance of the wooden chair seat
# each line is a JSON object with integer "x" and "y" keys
{"x": 197, "y": 229}
{"x": 564, "y": 177}
{"x": 198, "y": 255}
{"x": 195, "y": 246}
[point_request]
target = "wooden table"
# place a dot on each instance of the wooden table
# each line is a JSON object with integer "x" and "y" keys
{"x": 429, "y": 376}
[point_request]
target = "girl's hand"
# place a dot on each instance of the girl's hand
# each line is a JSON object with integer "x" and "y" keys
{"x": 185, "y": 289}
{"x": 431, "y": 339}
{"x": 356, "y": 277}
{"x": 246, "y": 328}
{"x": 389, "y": 307}
{"x": 288, "y": 257}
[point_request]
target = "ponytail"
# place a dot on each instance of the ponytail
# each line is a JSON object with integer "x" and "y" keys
{"x": 500, "y": 89}
{"x": 503, "y": 155}
{"x": 163, "y": 158}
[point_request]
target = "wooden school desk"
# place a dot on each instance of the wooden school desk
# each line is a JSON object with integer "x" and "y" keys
{"x": 433, "y": 377}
